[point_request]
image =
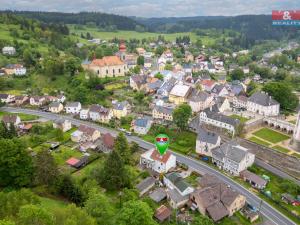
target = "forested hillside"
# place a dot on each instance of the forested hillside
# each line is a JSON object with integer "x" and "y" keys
{"x": 101, "y": 20}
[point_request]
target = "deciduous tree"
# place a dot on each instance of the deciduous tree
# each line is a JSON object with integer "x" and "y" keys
{"x": 181, "y": 116}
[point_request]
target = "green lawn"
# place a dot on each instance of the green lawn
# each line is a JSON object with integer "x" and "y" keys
{"x": 183, "y": 142}
{"x": 258, "y": 141}
{"x": 206, "y": 40}
{"x": 50, "y": 204}
{"x": 64, "y": 153}
{"x": 281, "y": 149}
{"x": 271, "y": 135}
{"x": 240, "y": 118}
{"x": 23, "y": 117}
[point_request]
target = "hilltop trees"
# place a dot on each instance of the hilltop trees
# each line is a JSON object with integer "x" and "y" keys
{"x": 283, "y": 93}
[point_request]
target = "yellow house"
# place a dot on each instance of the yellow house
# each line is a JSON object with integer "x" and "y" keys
{"x": 179, "y": 94}
{"x": 120, "y": 109}
{"x": 56, "y": 107}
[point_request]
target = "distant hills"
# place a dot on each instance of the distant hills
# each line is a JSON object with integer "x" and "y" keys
{"x": 251, "y": 27}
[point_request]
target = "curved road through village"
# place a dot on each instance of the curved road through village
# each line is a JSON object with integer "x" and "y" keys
{"x": 266, "y": 209}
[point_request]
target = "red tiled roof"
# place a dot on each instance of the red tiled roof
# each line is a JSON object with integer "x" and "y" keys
{"x": 207, "y": 82}
{"x": 162, "y": 158}
{"x": 72, "y": 161}
{"x": 108, "y": 140}
{"x": 162, "y": 213}
{"x": 107, "y": 61}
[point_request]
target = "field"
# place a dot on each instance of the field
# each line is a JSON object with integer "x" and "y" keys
{"x": 133, "y": 34}
{"x": 23, "y": 117}
{"x": 271, "y": 135}
{"x": 258, "y": 141}
{"x": 281, "y": 149}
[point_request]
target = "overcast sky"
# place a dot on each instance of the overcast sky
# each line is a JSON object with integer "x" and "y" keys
{"x": 155, "y": 8}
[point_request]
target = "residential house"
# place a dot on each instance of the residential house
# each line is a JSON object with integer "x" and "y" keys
{"x": 73, "y": 107}
{"x": 263, "y": 104}
{"x": 15, "y": 69}
{"x": 77, "y": 163}
{"x": 8, "y": 50}
{"x": 148, "y": 62}
{"x": 253, "y": 179}
{"x": 206, "y": 141}
{"x": 167, "y": 56}
{"x": 162, "y": 213}
{"x": 216, "y": 199}
{"x": 2, "y": 72}
{"x": 108, "y": 66}
{"x": 84, "y": 134}
{"x": 64, "y": 125}
{"x": 9, "y": 120}
{"x": 240, "y": 102}
{"x": 61, "y": 98}
{"x": 100, "y": 114}
{"x": 84, "y": 114}
{"x": 153, "y": 85}
{"x": 188, "y": 56}
{"x": 162, "y": 113}
{"x": 145, "y": 185}
{"x": 200, "y": 100}
{"x": 138, "y": 82}
{"x": 158, "y": 163}
{"x": 37, "y": 100}
{"x": 179, "y": 94}
{"x": 207, "y": 85}
{"x": 166, "y": 87}
{"x": 56, "y": 107}
{"x": 222, "y": 104}
{"x": 7, "y": 98}
{"x": 232, "y": 158}
{"x": 174, "y": 181}
{"x": 120, "y": 109}
{"x": 219, "y": 90}
{"x": 107, "y": 143}
{"x": 140, "y": 51}
{"x": 217, "y": 119}
{"x": 21, "y": 99}
{"x": 142, "y": 125}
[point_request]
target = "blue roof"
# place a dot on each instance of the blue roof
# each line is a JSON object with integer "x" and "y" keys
{"x": 141, "y": 122}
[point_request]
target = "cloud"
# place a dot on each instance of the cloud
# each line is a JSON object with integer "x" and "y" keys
{"x": 155, "y": 8}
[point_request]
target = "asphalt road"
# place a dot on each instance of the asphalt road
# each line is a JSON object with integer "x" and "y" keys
{"x": 267, "y": 210}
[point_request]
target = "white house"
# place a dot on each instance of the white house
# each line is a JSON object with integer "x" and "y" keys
{"x": 100, "y": 113}
{"x": 56, "y": 107}
{"x": 159, "y": 163}
{"x": 263, "y": 104}
{"x": 73, "y": 107}
{"x": 8, "y": 50}
{"x": 206, "y": 141}
{"x": 62, "y": 124}
{"x": 216, "y": 119}
{"x": 232, "y": 158}
{"x": 6, "y": 98}
{"x": 84, "y": 114}
{"x": 142, "y": 125}
{"x": 37, "y": 100}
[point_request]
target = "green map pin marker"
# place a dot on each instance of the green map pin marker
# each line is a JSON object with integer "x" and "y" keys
{"x": 162, "y": 143}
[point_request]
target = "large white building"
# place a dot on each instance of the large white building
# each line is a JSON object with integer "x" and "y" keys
{"x": 210, "y": 117}
{"x": 159, "y": 163}
{"x": 232, "y": 158}
{"x": 263, "y": 104}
